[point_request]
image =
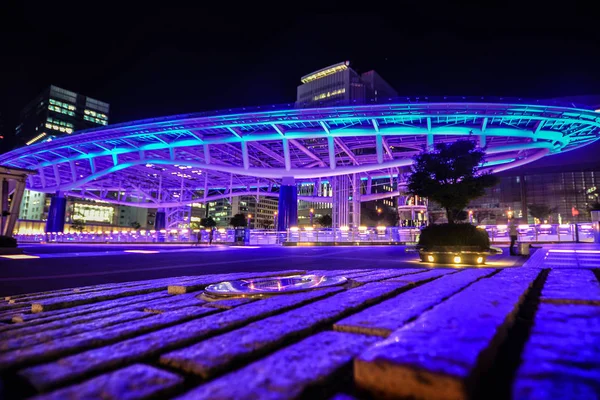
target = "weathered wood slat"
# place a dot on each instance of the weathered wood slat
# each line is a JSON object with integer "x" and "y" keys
{"x": 66, "y": 369}
{"x": 384, "y": 318}
{"x": 77, "y": 343}
{"x": 441, "y": 353}
{"x": 561, "y": 360}
{"x": 88, "y": 289}
{"x": 45, "y": 335}
{"x": 26, "y": 323}
{"x": 287, "y": 373}
{"x": 213, "y": 355}
{"x": 135, "y": 382}
{"x": 571, "y": 286}
{"x": 228, "y": 304}
{"x": 386, "y": 274}
{"x": 94, "y": 297}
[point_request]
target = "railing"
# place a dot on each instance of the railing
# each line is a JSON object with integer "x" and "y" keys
{"x": 255, "y": 237}
{"x": 583, "y": 232}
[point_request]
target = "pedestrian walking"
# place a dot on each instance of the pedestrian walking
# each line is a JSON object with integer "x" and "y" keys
{"x": 211, "y": 235}
{"x": 514, "y": 235}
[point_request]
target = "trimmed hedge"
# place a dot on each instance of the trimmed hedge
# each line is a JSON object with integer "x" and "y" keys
{"x": 7, "y": 241}
{"x": 453, "y": 235}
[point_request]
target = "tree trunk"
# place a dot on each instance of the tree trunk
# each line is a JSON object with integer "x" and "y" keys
{"x": 450, "y": 215}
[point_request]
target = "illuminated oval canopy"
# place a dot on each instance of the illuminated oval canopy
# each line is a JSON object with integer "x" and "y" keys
{"x": 194, "y": 157}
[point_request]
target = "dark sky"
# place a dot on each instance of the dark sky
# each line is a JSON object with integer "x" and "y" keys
{"x": 149, "y": 62}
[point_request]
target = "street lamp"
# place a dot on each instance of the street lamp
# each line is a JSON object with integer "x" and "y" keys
{"x": 275, "y": 220}
{"x": 249, "y": 220}
{"x": 312, "y": 213}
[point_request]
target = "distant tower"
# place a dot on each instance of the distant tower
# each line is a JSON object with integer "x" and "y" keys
{"x": 339, "y": 84}
{"x": 58, "y": 112}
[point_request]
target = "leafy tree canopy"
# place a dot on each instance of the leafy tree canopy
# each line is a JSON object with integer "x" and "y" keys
{"x": 325, "y": 221}
{"x": 451, "y": 176}
{"x": 208, "y": 222}
{"x": 238, "y": 221}
{"x": 540, "y": 211}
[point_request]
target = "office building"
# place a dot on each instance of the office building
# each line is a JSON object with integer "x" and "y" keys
{"x": 262, "y": 212}
{"x": 58, "y": 112}
{"x": 339, "y": 84}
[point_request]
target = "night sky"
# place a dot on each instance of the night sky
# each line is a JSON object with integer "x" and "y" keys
{"x": 149, "y": 62}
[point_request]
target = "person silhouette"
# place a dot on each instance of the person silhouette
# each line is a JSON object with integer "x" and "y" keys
{"x": 211, "y": 235}
{"x": 514, "y": 235}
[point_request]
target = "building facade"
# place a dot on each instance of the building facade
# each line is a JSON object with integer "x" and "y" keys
{"x": 58, "y": 112}
{"x": 339, "y": 84}
{"x": 260, "y": 214}
{"x": 569, "y": 191}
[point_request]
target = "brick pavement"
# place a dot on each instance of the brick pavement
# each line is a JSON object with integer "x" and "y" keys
{"x": 421, "y": 333}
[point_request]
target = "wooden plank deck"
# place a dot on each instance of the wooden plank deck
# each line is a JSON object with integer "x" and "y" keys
{"x": 421, "y": 333}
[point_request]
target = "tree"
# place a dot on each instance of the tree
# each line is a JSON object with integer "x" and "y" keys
{"x": 208, "y": 222}
{"x": 78, "y": 225}
{"x": 594, "y": 206}
{"x": 135, "y": 225}
{"x": 540, "y": 211}
{"x": 77, "y": 222}
{"x": 238, "y": 221}
{"x": 325, "y": 221}
{"x": 451, "y": 175}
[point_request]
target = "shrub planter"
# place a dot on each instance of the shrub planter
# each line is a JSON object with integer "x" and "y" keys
{"x": 454, "y": 244}
{"x": 8, "y": 245}
{"x": 472, "y": 255}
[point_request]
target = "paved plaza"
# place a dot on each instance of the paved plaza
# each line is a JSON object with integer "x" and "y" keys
{"x": 65, "y": 266}
{"x": 526, "y": 332}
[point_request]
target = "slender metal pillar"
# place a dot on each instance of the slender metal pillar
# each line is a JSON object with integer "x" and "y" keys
{"x": 56, "y": 213}
{"x": 287, "y": 210}
{"x": 160, "y": 220}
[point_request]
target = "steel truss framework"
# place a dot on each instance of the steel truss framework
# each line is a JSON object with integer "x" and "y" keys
{"x": 172, "y": 161}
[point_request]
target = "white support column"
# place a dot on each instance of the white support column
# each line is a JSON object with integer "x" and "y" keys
{"x": 15, "y": 206}
{"x": 430, "y": 141}
{"x": 115, "y": 159}
{"x": 536, "y": 129}
{"x": 43, "y": 177}
{"x": 231, "y": 189}
{"x": 73, "y": 171}
{"x": 379, "y": 147}
{"x": 245, "y": 155}
{"x": 482, "y": 137}
{"x": 93, "y": 165}
{"x": 429, "y": 135}
{"x": 286, "y": 154}
{"x": 331, "y": 146}
{"x": 171, "y": 153}
{"x": 206, "y": 154}
{"x": 56, "y": 174}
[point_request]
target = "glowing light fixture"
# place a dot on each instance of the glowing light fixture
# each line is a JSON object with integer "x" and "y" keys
{"x": 430, "y": 258}
{"x": 457, "y": 260}
{"x": 479, "y": 260}
{"x": 294, "y": 229}
{"x": 344, "y": 228}
{"x": 19, "y": 256}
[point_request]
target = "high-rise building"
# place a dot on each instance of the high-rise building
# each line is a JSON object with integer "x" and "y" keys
{"x": 262, "y": 212}
{"x": 339, "y": 84}
{"x": 57, "y": 112}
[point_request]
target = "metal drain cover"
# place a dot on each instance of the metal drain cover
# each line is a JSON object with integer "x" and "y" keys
{"x": 273, "y": 285}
